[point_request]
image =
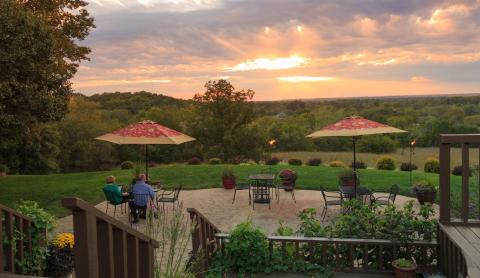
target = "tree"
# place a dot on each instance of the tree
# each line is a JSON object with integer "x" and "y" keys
{"x": 79, "y": 149}
{"x": 70, "y": 22}
{"x": 38, "y": 56}
{"x": 219, "y": 115}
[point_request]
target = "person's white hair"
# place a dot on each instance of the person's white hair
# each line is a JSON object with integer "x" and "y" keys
{"x": 142, "y": 177}
{"x": 110, "y": 179}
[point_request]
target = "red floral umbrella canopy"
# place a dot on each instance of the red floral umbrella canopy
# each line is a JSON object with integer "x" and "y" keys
{"x": 354, "y": 126}
{"x": 146, "y": 133}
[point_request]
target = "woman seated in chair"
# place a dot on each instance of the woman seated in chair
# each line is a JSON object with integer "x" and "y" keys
{"x": 113, "y": 193}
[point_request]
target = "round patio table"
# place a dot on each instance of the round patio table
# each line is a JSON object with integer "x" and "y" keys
{"x": 349, "y": 191}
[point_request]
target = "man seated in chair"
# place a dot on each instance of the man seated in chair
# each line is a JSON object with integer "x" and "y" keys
{"x": 141, "y": 188}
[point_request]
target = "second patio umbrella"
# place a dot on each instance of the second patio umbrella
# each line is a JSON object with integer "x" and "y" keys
{"x": 354, "y": 127}
{"x": 146, "y": 133}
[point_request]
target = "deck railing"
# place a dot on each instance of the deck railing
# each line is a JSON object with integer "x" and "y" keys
{"x": 341, "y": 254}
{"x": 204, "y": 242}
{"x": 457, "y": 257}
{"x": 106, "y": 247}
{"x": 466, "y": 141}
{"x": 14, "y": 247}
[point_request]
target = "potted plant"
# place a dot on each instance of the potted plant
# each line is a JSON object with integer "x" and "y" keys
{"x": 228, "y": 178}
{"x": 425, "y": 191}
{"x": 3, "y": 170}
{"x": 288, "y": 178}
{"x": 346, "y": 178}
{"x": 404, "y": 268}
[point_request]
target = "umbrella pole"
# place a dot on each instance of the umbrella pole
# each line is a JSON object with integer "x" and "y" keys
{"x": 354, "y": 167}
{"x": 146, "y": 161}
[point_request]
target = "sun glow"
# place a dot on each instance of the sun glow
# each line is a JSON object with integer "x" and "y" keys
{"x": 300, "y": 79}
{"x": 270, "y": 64}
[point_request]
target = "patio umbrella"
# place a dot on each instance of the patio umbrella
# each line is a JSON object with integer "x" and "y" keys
{"x": 354, "y": 127}
{"x": 146, "y": 133}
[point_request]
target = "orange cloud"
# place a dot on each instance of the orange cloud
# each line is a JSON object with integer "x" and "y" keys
{"x": 420, "y": 79}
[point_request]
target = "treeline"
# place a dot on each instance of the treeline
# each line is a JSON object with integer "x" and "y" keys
{"x": 69, "y": 144}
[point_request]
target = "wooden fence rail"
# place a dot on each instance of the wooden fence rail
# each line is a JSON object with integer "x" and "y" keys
{"x": 106, "y": 247}
{"x": 341, "y": 254}
{"x": 204, "y": 242}
{"x": 14, "y": 247}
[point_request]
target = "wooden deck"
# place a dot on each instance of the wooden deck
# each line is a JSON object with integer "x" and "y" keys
{"x": 467, "y": 240}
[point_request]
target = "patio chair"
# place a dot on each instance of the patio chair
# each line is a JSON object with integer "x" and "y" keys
{"x": 242, "y": 185}
{"x": 330, "y": 200}
{"x": 140, "y": 211}
{"x": 261, "y": 192}
{"x": 169, "y": 196}
{"x": 287, "y": 185}
{"x": 388, "y": 199}
{"x": 114, "y": 199}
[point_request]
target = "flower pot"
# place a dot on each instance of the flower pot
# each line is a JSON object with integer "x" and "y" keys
{"x": 426, "y": 197}
{"x": 405, "y": 272}
{"x": 228, "y": 182}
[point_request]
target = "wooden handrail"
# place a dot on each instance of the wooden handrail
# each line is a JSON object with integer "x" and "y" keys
{"x": 11, "y": 220}
{"x": 106, "y": 247}
{"x": 373, "y": 250}
{"x": 207, "y": 239}
{"x": 341, "y": 240}
{"x": 14, "y": 212}
{"x": 466, "y": 140}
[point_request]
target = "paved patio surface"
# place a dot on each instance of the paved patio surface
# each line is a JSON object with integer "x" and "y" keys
{"x": 216, "y": 205}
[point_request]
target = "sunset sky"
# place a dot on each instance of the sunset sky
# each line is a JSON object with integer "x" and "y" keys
{"x": 284, "y": 49}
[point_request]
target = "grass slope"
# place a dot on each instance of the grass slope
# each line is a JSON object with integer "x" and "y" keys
{"x": 48, "y": 190}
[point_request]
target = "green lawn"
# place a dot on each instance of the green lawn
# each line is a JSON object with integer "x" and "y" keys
{"x": 48, "y": 190}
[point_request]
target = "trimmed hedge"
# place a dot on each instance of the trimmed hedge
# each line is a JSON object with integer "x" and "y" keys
{"x": 314, "y": 162}
{"x": 126, "y": 165}
{"x": 295, "y": 161}
{"x": 386, "y": 163}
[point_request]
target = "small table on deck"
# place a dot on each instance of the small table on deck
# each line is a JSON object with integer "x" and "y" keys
{"x": 263, "y": 183}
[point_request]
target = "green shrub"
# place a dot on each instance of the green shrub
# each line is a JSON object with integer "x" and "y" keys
{"x": 359, "y": 165}
{"x": 458, "y": 170}
{"x": 247, "y": 249}
{"x": 377, "y": 144}
{"x": 272, "y": 160}
{"x": 215, "y": 161}
{"x": 3, "y": 168}
{"x": 386, "y": 163}
{"x": 295, "y": 161}
{"x": 408, "y": 167}
{"x": 314, "y": 162}
{"x": 44, "y": 222}
{"x": 336, "y": 163}
{"x": 194, "y": 161}
{"x": 127, "y": 165}
{"x": 432, "y": 165}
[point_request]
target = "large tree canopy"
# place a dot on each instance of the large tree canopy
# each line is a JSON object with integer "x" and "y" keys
{"x": 222, "y": 120}
{"x": 38, "y": 56}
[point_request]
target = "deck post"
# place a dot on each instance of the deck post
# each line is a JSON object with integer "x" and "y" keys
{"x": 444, "y": 182}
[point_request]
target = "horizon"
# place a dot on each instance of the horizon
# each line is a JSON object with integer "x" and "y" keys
{"x": 283, "y": 49}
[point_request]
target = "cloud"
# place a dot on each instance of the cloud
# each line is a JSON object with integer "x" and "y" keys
{"x": 301, "y": 79}
{"x": 257, "y": 42}
{"x": 420, "y": 79}
{"x": 270, "y": 64}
